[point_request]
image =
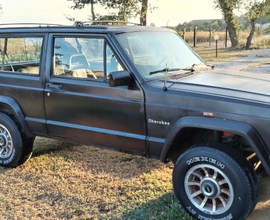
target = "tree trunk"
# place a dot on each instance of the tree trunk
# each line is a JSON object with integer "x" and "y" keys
{"x": 233, "y": 35}
{"x": 249, "y": 39}
{"x": 92, "y": 10}
{"x": 144, "y": 12}
{"x": 230, "y": 20}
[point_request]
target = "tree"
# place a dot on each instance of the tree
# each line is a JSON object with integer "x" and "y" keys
{"x": 201, "y": 27}
{"x": 227, "y": 7}
{"x": 111, "y": 17}
{"x": 79, "y": 4}
{"x": 255, "y": 9}
{"x": 214, "y": 26}
{"x": 206, "y": 25}
{"x": 263, "y": 19}
{"x": 126, "y": 8}
{"x": 143, "y": 16}
{"x": 190, "y": 26}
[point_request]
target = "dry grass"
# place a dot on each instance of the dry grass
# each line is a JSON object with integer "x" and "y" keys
{"x": 262, "y": 42}
{"x": 224, "y": 54}
{"x": 71, "y": 181}
{"x": 203, "y": 36}
{"x": 255, "y": 65}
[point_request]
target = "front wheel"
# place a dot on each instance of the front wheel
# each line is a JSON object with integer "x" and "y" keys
{"x": 215, "y": 183}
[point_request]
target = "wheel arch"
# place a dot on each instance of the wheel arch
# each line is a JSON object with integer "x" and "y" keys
{"x": 9, "y": 106}
{"x": 238, "y": 128}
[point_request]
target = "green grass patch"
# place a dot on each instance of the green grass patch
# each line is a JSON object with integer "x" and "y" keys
{"x": 154, "y": 199}
{"x": 47, "y": 146}
{"x": 127, "y": 158}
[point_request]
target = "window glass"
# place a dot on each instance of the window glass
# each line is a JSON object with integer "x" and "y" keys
{"x": 79, "y": 57}
{"x": 112, "y": 63}
{"x": 20, "y": 55}
{"x": 153, "y": 51}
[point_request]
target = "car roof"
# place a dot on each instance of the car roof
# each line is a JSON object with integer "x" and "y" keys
{"x": 52, "y": 28}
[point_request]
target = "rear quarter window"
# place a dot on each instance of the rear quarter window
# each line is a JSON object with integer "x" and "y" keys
{"x": 20, "y": 55}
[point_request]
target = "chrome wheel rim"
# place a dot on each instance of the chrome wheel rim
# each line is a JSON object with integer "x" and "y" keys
{"x": 6, "y": 144}
{"x": 209, "y": 189}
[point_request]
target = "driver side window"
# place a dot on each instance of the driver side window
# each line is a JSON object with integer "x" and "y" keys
{"x": 79, "y": 57}
{"x": 112, "y": 64}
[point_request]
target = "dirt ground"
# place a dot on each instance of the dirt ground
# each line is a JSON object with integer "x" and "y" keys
{"x": 257, "y": 61}
{"x": 262, "y": 210}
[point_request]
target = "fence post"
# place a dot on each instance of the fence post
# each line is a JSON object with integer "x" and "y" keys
{"x": 226, "y": 37}
{"x": 210, "y": 35}
{"x": 195, "y": 36}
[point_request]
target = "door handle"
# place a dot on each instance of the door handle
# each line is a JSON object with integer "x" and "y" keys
{"x": 53, "y": 86}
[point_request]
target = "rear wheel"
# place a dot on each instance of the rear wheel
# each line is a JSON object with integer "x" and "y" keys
{"x": 215, "y": 183}
{"x": 10, "y": 142}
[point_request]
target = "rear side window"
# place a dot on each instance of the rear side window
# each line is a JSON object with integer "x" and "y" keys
{"x": 20, "y": 55}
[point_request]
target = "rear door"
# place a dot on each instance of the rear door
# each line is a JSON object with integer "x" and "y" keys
{"x": 80, "y": 105}
{"x": 22, "y": 74}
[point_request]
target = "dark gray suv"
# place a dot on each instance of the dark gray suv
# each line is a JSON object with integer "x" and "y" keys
{"x": 140, "y": 90}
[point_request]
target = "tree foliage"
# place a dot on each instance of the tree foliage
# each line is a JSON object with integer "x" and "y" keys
{"x": 125, "y": 9}
{"x": 79, "y": 4}
{"x": 216, "y": 25}
{"x": 263, "y": 19}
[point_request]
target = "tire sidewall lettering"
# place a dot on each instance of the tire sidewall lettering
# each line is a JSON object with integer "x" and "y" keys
{"x": 10, "y": 159}
{"x": 228, "y": 217}
{"x": 209, "y": 160}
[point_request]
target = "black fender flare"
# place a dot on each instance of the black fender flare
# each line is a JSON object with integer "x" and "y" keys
{"x": 11, "y": 104}
{"x": 235, "y": 127}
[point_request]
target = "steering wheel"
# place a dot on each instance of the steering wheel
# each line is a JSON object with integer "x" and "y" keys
{"x": 91, "y": 73}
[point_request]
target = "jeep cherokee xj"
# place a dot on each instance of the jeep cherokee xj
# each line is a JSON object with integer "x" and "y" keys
{"x": 140, "y": 90}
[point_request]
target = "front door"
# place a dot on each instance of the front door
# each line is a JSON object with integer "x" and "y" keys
{"x": 81, "y": 106}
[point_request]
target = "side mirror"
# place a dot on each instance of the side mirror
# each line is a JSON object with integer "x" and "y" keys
{"x": 119, "y": 78}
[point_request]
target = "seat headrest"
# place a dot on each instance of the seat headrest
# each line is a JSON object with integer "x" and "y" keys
{"x": 78, "y": 61}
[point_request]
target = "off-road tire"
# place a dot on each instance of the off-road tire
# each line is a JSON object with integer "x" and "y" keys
{"x": 11, "y": 146}
{"x": 28, "y": 143}
{"x": 217, "y": 174}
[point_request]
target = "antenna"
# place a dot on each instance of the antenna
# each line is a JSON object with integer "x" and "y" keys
{"x": 165, "y": 88}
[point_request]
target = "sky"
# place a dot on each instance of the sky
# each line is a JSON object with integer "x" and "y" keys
{"x": 168, "y": 12}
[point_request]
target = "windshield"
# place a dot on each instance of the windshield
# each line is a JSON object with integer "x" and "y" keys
{"x": 153, "y": 51}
